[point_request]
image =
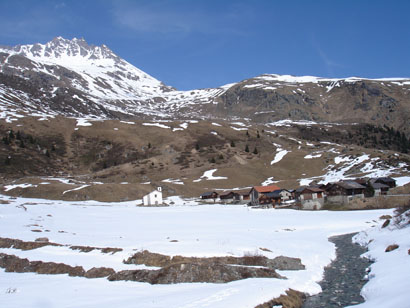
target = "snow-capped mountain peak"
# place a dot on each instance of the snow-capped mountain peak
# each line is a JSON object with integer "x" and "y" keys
{"x": 62, "y": 48}
{"x": 99, "y": 81}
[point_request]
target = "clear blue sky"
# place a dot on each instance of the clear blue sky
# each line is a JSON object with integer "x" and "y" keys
{"x": 198, "y": 44}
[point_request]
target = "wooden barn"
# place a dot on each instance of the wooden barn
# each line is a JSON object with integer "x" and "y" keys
{"x": 257, "y": 192}
{"x": 210, "y": 196}
{"x": 230, "y": 197}
{"x": 385, "y": 180}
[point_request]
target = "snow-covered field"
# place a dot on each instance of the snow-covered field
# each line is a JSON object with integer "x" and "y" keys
{"x": 389, "y": 283}
{"x": 182, "y": 229}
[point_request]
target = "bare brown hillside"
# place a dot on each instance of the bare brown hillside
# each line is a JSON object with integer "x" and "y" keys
{"x": 124, "y": 160}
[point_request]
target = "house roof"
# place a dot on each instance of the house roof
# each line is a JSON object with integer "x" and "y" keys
{"x": 208, "y": 194}
{"x": 312, "y": 189}
{"x": 350, "y": 185}
{"x": 266, "y": 189}
{"x": 386, "y": 179}
{"x": 379, "y": 186}
{"x": 300, "y": 189}
{"x": 227, "y": 193}
{"x": 244, "y": 192}
{"x": 273, "y": 194}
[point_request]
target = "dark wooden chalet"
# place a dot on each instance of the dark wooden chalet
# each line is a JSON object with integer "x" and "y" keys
{"x": 386, "y": 181}
{"x": 230, "y": 196}
{"x": 209, "y": 195}
{"x": 345, "y": 188}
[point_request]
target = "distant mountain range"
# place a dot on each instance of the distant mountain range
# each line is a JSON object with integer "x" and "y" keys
{"x": 74, "y": 79}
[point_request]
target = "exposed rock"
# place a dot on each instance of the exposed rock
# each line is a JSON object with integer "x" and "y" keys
{"x": 149, "y": 259}
{"x": 42, "y": 239}
{"x": 90, "y": 248}
{"x": 110, "y": 250}
{"x": 391, "y": 247}
{"x": 82, "y": 248}
{"x": 386, "y": 223}
{"x": 154, "y": 259}
{"x": 292, "y": 299}
{"x": 18, "y": 244}
{"x": 99, "y": 272}
{"x": 195, "y": 272}
{"x": 385, "y": 217}
{"x": 12, "y": 263}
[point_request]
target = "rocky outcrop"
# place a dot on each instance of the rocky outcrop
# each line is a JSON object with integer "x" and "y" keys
{"x": 154, "y": 259}
{"x": 23, "y": 245}
{"x": 175, "y": 273}
{"x": 292, "y": 299}
{"x": 391, "y": 247}
{"x": 90, "y": 248}
{"x": 43, "y": 241}
{"x": 12, "y": 263}
{"x": 195, "y": 272}
{"x": 99, "y": 272}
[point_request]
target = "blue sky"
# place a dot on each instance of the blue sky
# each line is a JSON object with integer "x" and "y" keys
{"x": 199, "y": 44}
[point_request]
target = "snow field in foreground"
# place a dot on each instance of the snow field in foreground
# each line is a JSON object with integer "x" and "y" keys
{"x": 389, "y": 283}
{"x": 208, "y": 230}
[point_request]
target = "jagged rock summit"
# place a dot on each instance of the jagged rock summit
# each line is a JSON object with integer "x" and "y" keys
{"x": 73, "y": 78}
{"x": 60, "y": 47}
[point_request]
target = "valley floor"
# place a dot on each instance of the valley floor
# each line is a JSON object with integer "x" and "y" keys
{"x": 190, "y": 230}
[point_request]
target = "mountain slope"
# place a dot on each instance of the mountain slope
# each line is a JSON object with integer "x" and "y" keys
{"x": 72, "y": 78}
{"x": 351, "y": 100}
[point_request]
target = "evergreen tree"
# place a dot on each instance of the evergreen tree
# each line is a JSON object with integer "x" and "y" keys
{"x": 47, "y": 153}
{"x": 22, "y": 144}
{"x": 232, "y": 144}
{"x": 18, "y": 135}
{"x": 7, "y": 161}
{"x": 11, "y": 135}
{"x": 247, "y": 148}
{"x": 197, "y": 146}
{"x": 213, "y": 161}
{"x": 255, "y": 151}
{"x": 257, "y": 135}
{"x": 247, "y": 133}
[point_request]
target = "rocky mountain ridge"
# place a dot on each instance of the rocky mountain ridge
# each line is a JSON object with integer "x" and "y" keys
{"x": 74, "y": 79}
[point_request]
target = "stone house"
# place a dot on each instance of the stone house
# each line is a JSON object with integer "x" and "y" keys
{"x": 310, "y": 198}
{"x": 344, "y": 191}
